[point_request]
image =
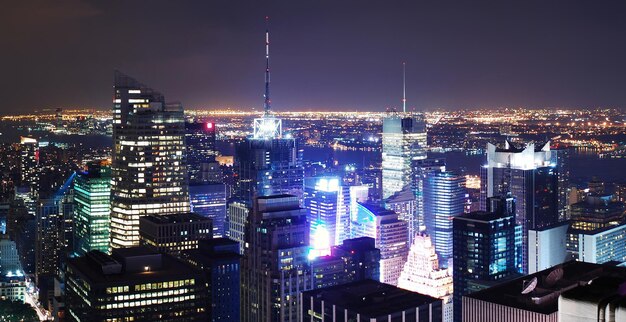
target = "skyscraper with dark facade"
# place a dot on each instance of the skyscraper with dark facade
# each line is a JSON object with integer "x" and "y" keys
{"x": 201, "y": 152}
{"x": 530, "y": 175}
{"x": 355, "y": 260}
{"x": 220, "y": 261}
{"x": 149, "y": 170}
{"x": 276, "y": 267}
{"x": 134, "y": 284}
{"x": 266, "y": 166}
{"x": 484, "y": 248}
{"x": 444, "y": 198}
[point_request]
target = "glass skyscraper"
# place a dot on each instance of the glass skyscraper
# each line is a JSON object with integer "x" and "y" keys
{"x": 404, "y": 139}
{"x": 92, "y": 209}
{"x": 328, "y": 205}
{"x": 484, "y": 249}
{"x": 149, "y": 171}
{"x": 530, "y": 175}
{"x": 444, "y": 199}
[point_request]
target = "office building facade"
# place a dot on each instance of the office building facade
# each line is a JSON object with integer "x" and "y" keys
{"x": 422, "y": 274}
{"x": 404, "y": 139}
{"x": 92, "y": 209}
{"x": 484, "y": 252}
{"x": 134, "y": 284}
{"x": 276, "y": 267}
{"x": 174, "y": 233}
{"x": 444, "y": 196}
{"x": 390, "y": 234}
{"x": 530, "y": 175}
{"x": 149, "y": 168}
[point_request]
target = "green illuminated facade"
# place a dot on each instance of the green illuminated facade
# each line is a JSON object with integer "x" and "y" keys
{"x": 92, "y": 211}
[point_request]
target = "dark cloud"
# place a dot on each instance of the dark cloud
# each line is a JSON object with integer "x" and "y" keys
{"x": 325, "y": 54}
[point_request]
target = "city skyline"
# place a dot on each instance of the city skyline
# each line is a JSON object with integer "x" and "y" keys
{"x": 152, "y": 210}
{"x": 207, "y": 55}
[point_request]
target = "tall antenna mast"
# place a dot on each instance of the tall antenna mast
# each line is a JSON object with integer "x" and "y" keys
{"x": 267, "y": 104}
{"x": 404, "y": 87}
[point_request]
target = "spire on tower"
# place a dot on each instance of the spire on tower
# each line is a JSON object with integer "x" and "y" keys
{"x": 267, "y": 104}
{"x": 404, "y": 87}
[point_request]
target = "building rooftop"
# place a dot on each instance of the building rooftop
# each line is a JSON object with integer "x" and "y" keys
{"x": 174, "y": 218}
{"x": 550, "y": 283}
{"x": 129, "y": 265}
{"x": 371, "y": 298}
{"x": 481, "y": 216}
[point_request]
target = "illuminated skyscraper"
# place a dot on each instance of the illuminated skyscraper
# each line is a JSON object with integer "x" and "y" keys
{"x": 201, "y": 153}
{"x": 404, "y": 204}
{"x": 422, "y": 274}
{"x": 328, "y": 204}
{"x": 530, "y": 175}
{"x": 134, "y": 284}
{"x": 268, "y": 163}
{"x": 92, "y": 212}
{"x": 209, "y": 200}
{"x": 484, "y": 249}
{"x": 237, "y": 219}
{"x": 390, "y": 233}
{"x": 29, "y": 160}
{"x": 276, "y": 267}
{"x": 404, "y": 139}
{"x": 149, "y": 171}
{"x": 444, "y": 198}
{"x": 421, "y": 168}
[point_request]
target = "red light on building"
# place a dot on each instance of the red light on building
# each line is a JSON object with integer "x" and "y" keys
{"x": 209, "y": 125}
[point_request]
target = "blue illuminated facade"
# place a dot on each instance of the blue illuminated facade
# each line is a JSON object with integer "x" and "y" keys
{"x": 444, "y": 198}
{"x": 209, "y": 200}
{"x": 329, "y": 212}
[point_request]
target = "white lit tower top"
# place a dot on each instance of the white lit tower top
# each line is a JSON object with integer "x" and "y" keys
{"x": 268, "y": 126}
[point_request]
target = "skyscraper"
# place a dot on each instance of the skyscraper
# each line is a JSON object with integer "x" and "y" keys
{"x": 220, "y": 260}
{"x": 201, "y": 152}
{"x": 592, "y": 216}
{"x": 420, "y": 168}
{"x": 29, "y": 151}
{"x": 237, "y": 220}
{"x": 530, "y": 175}
{"x": 268, "y": 163}
{"x": 444, "y": 198}
{"x": 134, "y": 284}
{"x": 484, "y": 249}
{"x": 149, "y": 171}
{"x": 404, "y": 139}
{"x": 209, "y": 200}
{"x": 328, "y": 205}
{"x": 275, "y": 267}
{"x": 92, "y": 212}
{"x": 422, "y": 274}
{"x": 390, "y": 233}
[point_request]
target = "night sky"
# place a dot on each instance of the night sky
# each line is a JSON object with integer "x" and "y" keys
{"x": 339, "y": 55}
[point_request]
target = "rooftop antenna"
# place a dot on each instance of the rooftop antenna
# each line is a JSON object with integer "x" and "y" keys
{"x": 404, "y": 87}
{"x": 267, "y": 104}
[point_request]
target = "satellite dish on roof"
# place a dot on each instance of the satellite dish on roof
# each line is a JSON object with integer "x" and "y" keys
{"x": 554, "y": 276}
{"x": 528, "y": 287}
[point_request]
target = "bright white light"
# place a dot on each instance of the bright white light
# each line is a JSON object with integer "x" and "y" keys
{"x": 327, "y": 184}
{"x": 320, "y": 242}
